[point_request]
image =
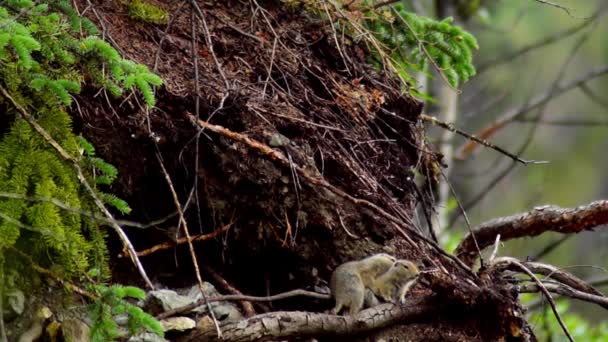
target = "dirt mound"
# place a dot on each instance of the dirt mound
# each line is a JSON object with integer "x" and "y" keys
{"x": 289, "y": 152}
{"x": 346, "y": 134}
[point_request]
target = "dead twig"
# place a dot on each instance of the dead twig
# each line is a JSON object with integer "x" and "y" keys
{"x": 219, "y": 280}
{"x": 201, "y": 15}
{"x": 50, "y": 274}
{"x": 184, "y": 225}
{"x": 466, "y": 217}
{"x": 556, "y": 37}
{"x": 241, "y": 297}
{"x": 496, "y": 245}
{"x": 561, "y": 276}
{"x": 172, "y": 244}
{"x": 88, "y": 214}
{"x": 514, "y": 262}
{"x": 159, "y": 50}
{"x": 513, "y": 114}
{"x": 450, "y": 127}
{"x": 566, "y": 291}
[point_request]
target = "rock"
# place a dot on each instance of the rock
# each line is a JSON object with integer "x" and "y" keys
{"x": 178, "y": 324}
{"x": 146, "y": 337}
{"x": 15, "y": 304}
{"x": 223, "y": 311}
{"x": 164, "y": 300}
{"x": 205, "y": 323}
{"x": 75, "y": 330}
{"x": 194, "y": 292}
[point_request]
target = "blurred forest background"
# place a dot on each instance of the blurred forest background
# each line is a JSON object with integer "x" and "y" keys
{"x": 570, "y": 132}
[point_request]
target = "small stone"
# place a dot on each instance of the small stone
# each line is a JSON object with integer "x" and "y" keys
{"x": 205, "y": 323}
{"x": 75, "y": 330}
{"x": 178, "y": 324}
{"x": 146, "y": 337}
{"x": 164, "y": 300}
{"x": 225, "y": 311}
{"x": 16, "y": 301}
{"x": 278, "y": 140}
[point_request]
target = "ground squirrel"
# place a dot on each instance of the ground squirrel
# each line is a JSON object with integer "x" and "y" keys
{"x": 394, "y": 284}
{"x": 349, "y": 280}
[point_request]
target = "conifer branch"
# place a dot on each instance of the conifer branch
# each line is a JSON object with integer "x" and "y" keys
{"x": 82, "y": 179}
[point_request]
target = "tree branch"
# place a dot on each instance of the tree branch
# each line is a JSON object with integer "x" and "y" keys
{"x": 559, "y": 275}
{"x": 281, "y": 325}
{"x": 82, "y": 179}
{"x": 532, "y": 223}
{"x": 512, "y": 262}
{"x": 567, "y": 291}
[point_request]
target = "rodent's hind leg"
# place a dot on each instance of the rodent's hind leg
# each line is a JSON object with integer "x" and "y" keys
{"x": 336, "y": 310}
{"x": 356, "y": 304}
{"x": 370, "y": 299}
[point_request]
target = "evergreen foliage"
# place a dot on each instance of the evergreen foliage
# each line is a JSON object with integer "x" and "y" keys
{"x": 46, "y": 52}
{"x": 412, "y": 42}
{"x": 103, "y": 173}
{"x": 111, "y": 303}
{"x": 415, "y": 41}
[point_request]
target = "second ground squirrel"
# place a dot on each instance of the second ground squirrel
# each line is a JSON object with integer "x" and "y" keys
{"x": 393, "y": 285}
{"x": 350, "y": 280}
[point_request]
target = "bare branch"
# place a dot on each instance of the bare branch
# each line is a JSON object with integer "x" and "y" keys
{"x": 496, "y": 245}
{"x": 567, "y": 291}
{"x": 537, "y": 101}
{"x": 593, "y": 96}
{"x": 81, "y": 212}
{"x": 516, "y": 263}
{"x": 201, "y": 15}
{"x": 556, "y": 5}
{"x": 532, "y": 223}
{"x": 561, "y": 276}
{"x": 469, "y": 147}
{"x": 241, "y": 297}
{"x": 556, "y": 37}
{"x": 182, "y": 240}
{"x": 450, "y": 127}
{"x": 282, "y": 325}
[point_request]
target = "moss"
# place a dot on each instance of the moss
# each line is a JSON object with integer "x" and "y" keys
{"x": 146, "y": 12}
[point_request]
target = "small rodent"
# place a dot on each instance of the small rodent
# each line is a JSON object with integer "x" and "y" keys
{"x": 349, "y": 280}
{"x": 394, "y": 284}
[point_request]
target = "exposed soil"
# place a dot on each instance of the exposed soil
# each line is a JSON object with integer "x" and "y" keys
{"x": 276, "y": 76}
